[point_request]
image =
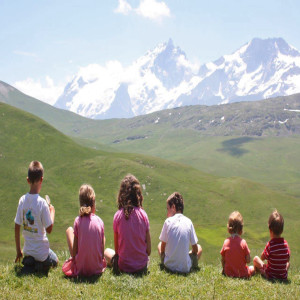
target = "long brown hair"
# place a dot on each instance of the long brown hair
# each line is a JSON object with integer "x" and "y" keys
{"x": 130, "y": 194}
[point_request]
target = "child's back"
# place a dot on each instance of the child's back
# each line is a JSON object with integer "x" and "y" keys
{"x": 86, "y": 240}
{"x": 33, "y": 214}
{"x": 132, "y": 239}
{"x": 37, "y": 218}
{"x": 177, "y": 235}
{"x": 277, "y": 253}
{"x": 235, "y": 252}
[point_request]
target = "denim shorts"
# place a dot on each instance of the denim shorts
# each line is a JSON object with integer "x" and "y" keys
{"x": 51, "y": 260}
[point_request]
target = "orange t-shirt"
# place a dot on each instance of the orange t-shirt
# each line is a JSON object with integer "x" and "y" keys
{"x": 234, "y": 251}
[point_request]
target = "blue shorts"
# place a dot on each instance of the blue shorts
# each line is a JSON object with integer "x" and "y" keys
{"x": 51, "y": 260}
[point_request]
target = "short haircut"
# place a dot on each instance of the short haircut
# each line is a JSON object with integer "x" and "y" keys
{"x": 35, "y": 171}
{"x": 276, "y": 222}
{"x": 235, "y": 223}
{"x": 177, "y": 200}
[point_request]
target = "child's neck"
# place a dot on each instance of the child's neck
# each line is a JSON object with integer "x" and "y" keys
{"x": 34, "y": 189}
{"x": 235, "y": 234}
{"x": 274, "y": 236}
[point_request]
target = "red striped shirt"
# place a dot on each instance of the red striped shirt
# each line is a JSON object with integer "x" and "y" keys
{"x": 277, "y": 253}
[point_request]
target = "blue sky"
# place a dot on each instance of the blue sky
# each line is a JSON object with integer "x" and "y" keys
{"x": 44, "y": 43}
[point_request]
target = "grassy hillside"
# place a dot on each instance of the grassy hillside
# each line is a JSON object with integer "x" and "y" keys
{"x": 251, "y": 140}
{"x": 209, "y": 199}
{"x": 207, "y": 283}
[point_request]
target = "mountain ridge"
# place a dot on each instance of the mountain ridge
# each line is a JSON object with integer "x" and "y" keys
{"x": 164, "y": 78}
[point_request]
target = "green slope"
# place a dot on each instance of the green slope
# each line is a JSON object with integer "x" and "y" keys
{"x": 209, "y": 199}
{"x": 220, "y": 147}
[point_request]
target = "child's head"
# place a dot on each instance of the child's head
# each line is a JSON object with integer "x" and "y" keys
{"x": 86, "y": 199}
{"x": 130, "y": 194}
{"x": 177, "y": 200}
{"x": 276, "y": 223}
{"x": 235, "y": 223}
{"x": 35, "y": 172}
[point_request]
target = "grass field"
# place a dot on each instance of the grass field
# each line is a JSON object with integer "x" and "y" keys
{"x": 208, "y": 199}
{"x": 206, "y": 283}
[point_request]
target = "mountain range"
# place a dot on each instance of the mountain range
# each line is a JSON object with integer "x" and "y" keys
{"x": 164, "y": 78}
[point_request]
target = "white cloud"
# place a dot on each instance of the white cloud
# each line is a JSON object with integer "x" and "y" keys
{"x": 153, "y": 10}
{"x": 150, "y": 9}
{"x": 123, "y": 8}
{"x": 45, "y": 91}
{"x": 23, "y": 53}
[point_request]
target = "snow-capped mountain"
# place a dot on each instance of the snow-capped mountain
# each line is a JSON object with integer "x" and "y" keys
{"x": 164, "y": 78}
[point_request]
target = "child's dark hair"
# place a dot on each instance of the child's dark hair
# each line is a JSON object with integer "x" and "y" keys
{"x": 235, "y": 223}
{"x": 276, "y": 222}
{"x": 130, "y": 195}
{"x": 86, "y": 199}
{"x": 177, "y": 200}
{"x": 35, "y": 171}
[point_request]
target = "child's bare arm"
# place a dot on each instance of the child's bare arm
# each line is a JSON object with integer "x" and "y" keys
{"x": 223, "y": 262}
{"x": 103, "y": 245}
{"x": 248, "y": 258}
{"x": 52, "y": 216}
{"x": 195, "y": 249}
{"x": 148, "y": 242}
{"x": 18, "y": 243}
{"x": 262, "y": 256}
{"x": 163, "y": 247}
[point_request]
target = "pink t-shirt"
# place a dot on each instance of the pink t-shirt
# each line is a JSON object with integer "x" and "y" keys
{"x": 235, "y": 250}
{"x": 89, "y": 259}
{"x": 132, "y": 239}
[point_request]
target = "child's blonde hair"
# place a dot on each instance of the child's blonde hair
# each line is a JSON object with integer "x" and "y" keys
{"x": 276, "y": 222}
{"x": 130, "y": 194}
{"x": 235, "y": 223}
{"x": 86, "y": 199}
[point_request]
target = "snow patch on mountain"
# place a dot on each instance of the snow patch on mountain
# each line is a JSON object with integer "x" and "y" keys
{"x": 165, "y": 78}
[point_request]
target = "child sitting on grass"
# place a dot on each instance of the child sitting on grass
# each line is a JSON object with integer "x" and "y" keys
{"x": 235, "y": 252}
{"x": 37, "y": 218}
{"x": 277, "y": 251}
{"x": 86, "y": 241}
{"x": 131, "y": 230}
{"x": 176, "y": 236}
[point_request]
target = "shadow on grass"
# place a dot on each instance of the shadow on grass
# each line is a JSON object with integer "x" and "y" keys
{"x": 234, "y": 146}
{"x": 139, "y": 274}
{"x": 81, "y": 279}
{"x": 193, "y": 270}
{"x": 22, "y": 271}
{"x": 277, "y": 281}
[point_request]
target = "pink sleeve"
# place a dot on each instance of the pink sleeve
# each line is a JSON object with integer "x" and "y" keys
{"x": 146, "y": 220}
{"x": 76, "y": 227}
{"x": 115, "y": 222}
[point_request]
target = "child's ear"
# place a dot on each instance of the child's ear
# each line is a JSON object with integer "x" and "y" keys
{"x": 28, "y": 180}
{"x": 41, "y": 180}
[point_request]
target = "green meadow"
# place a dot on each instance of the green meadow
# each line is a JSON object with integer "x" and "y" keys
{"x": 208, "y": 198}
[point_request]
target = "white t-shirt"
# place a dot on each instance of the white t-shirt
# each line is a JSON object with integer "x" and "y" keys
{"x": 178, "y": 233}
{"x": 33, "y": 213}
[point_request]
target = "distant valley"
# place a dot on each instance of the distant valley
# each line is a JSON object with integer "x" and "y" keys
{"x": 256, "y": 140}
